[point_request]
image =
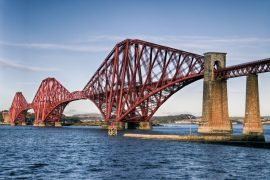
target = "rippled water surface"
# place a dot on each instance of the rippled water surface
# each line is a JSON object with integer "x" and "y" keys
{"x": 88, "y": 153}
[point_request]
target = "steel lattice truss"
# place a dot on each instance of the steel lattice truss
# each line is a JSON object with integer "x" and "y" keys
{"x": 245, "y": 69}
{"x": 134, "y": 80}
{"x": 51, "y": 100}
{"x": 48, "y": 104}
{"x": 137, "y": 77}
{"x": 18, "y": 108}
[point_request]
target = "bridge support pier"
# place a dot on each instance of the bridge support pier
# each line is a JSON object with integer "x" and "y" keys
{"x": 23, "y": 123}
{"x": 146, "y": 125}
{"x": 215, "y": 117}
{"x": 117, "y": 124}
{"x": 39, "y": 124}
{"x": 43, "y": 124}
{"x": 58, "y": 124}
{"x": 35, "y": 123}
{"x": 252, "y": 122}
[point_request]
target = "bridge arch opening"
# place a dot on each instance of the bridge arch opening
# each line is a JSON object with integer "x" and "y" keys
{"x": 187, "y": 100}
{"x": 81, "y": 112}
{"x": 30, "y": 117}
{"x": 24, "y": 117}
{"x": 217, "y": 65}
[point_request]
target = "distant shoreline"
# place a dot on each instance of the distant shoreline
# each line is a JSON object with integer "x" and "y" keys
{"x": 96, "y": 120}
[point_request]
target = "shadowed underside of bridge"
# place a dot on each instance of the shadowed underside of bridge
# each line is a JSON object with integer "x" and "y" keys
{"x": 134, "y": 80}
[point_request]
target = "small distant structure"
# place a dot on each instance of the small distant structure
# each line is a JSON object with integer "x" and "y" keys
{"x": 6, "y": 117}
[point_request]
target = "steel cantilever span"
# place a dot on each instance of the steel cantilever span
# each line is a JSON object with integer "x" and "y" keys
{"x": 133, "y": 81}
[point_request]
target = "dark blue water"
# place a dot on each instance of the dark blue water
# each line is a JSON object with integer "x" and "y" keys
{"x": 88, "y": 153}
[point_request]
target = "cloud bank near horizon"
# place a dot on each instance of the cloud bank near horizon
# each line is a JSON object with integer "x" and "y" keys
{"x": 4, "y": 63}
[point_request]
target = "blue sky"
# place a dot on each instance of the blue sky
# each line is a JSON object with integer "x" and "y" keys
{"x": 69, "y": 39}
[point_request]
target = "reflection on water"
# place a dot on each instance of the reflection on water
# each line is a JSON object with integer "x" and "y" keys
{"x": 88, "y": 153}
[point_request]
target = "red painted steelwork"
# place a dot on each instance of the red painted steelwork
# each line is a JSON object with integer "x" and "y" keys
{"x": 245, "y": 69}
{"x": 134, "y": 80}
{"x": 137, "y": 77}
{"x": 48, "y": 104}
{"x": 18, "y": 108}
{"x": 51, "y": 100}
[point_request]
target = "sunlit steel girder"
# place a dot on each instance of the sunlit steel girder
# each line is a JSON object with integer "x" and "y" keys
{"x": 18, "y": 108}
{"x": 51, "y": 100}
{"x": 254, "y": 67}
{"x": 134, "y": 80}
{"x": 137, "y": 77}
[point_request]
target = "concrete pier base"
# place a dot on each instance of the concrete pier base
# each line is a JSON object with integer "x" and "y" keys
{"x": 41, "y": 124}
{"x": 112, "y": 131}
{"x": 129, "y": 125}
{"x": 145, "y": 125}
{"x": 252, "y": 121}
{"x": 204, "y": 129}
{"x": 252, "y": 131}
{"x": 35, "y": 124}
{"x": 17, "y": 123}
{"x": 57, "y": 124}
{"x": 118, "y": 125}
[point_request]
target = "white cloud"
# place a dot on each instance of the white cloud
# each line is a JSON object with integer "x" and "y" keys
{"x": 237, "y": 47}
{"x": 191, "y": 40}
{"x": 13, "y": 65}
{"x": 62, "y": 47}
{"x": 70, "y": 112}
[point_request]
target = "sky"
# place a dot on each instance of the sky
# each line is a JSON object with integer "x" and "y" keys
{"x": 70, "y": 39}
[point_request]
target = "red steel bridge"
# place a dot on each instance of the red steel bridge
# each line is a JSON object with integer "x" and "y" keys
{"x": 133, "y": 81}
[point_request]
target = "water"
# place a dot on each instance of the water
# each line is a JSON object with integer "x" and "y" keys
{"x": 88, "y": 153}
